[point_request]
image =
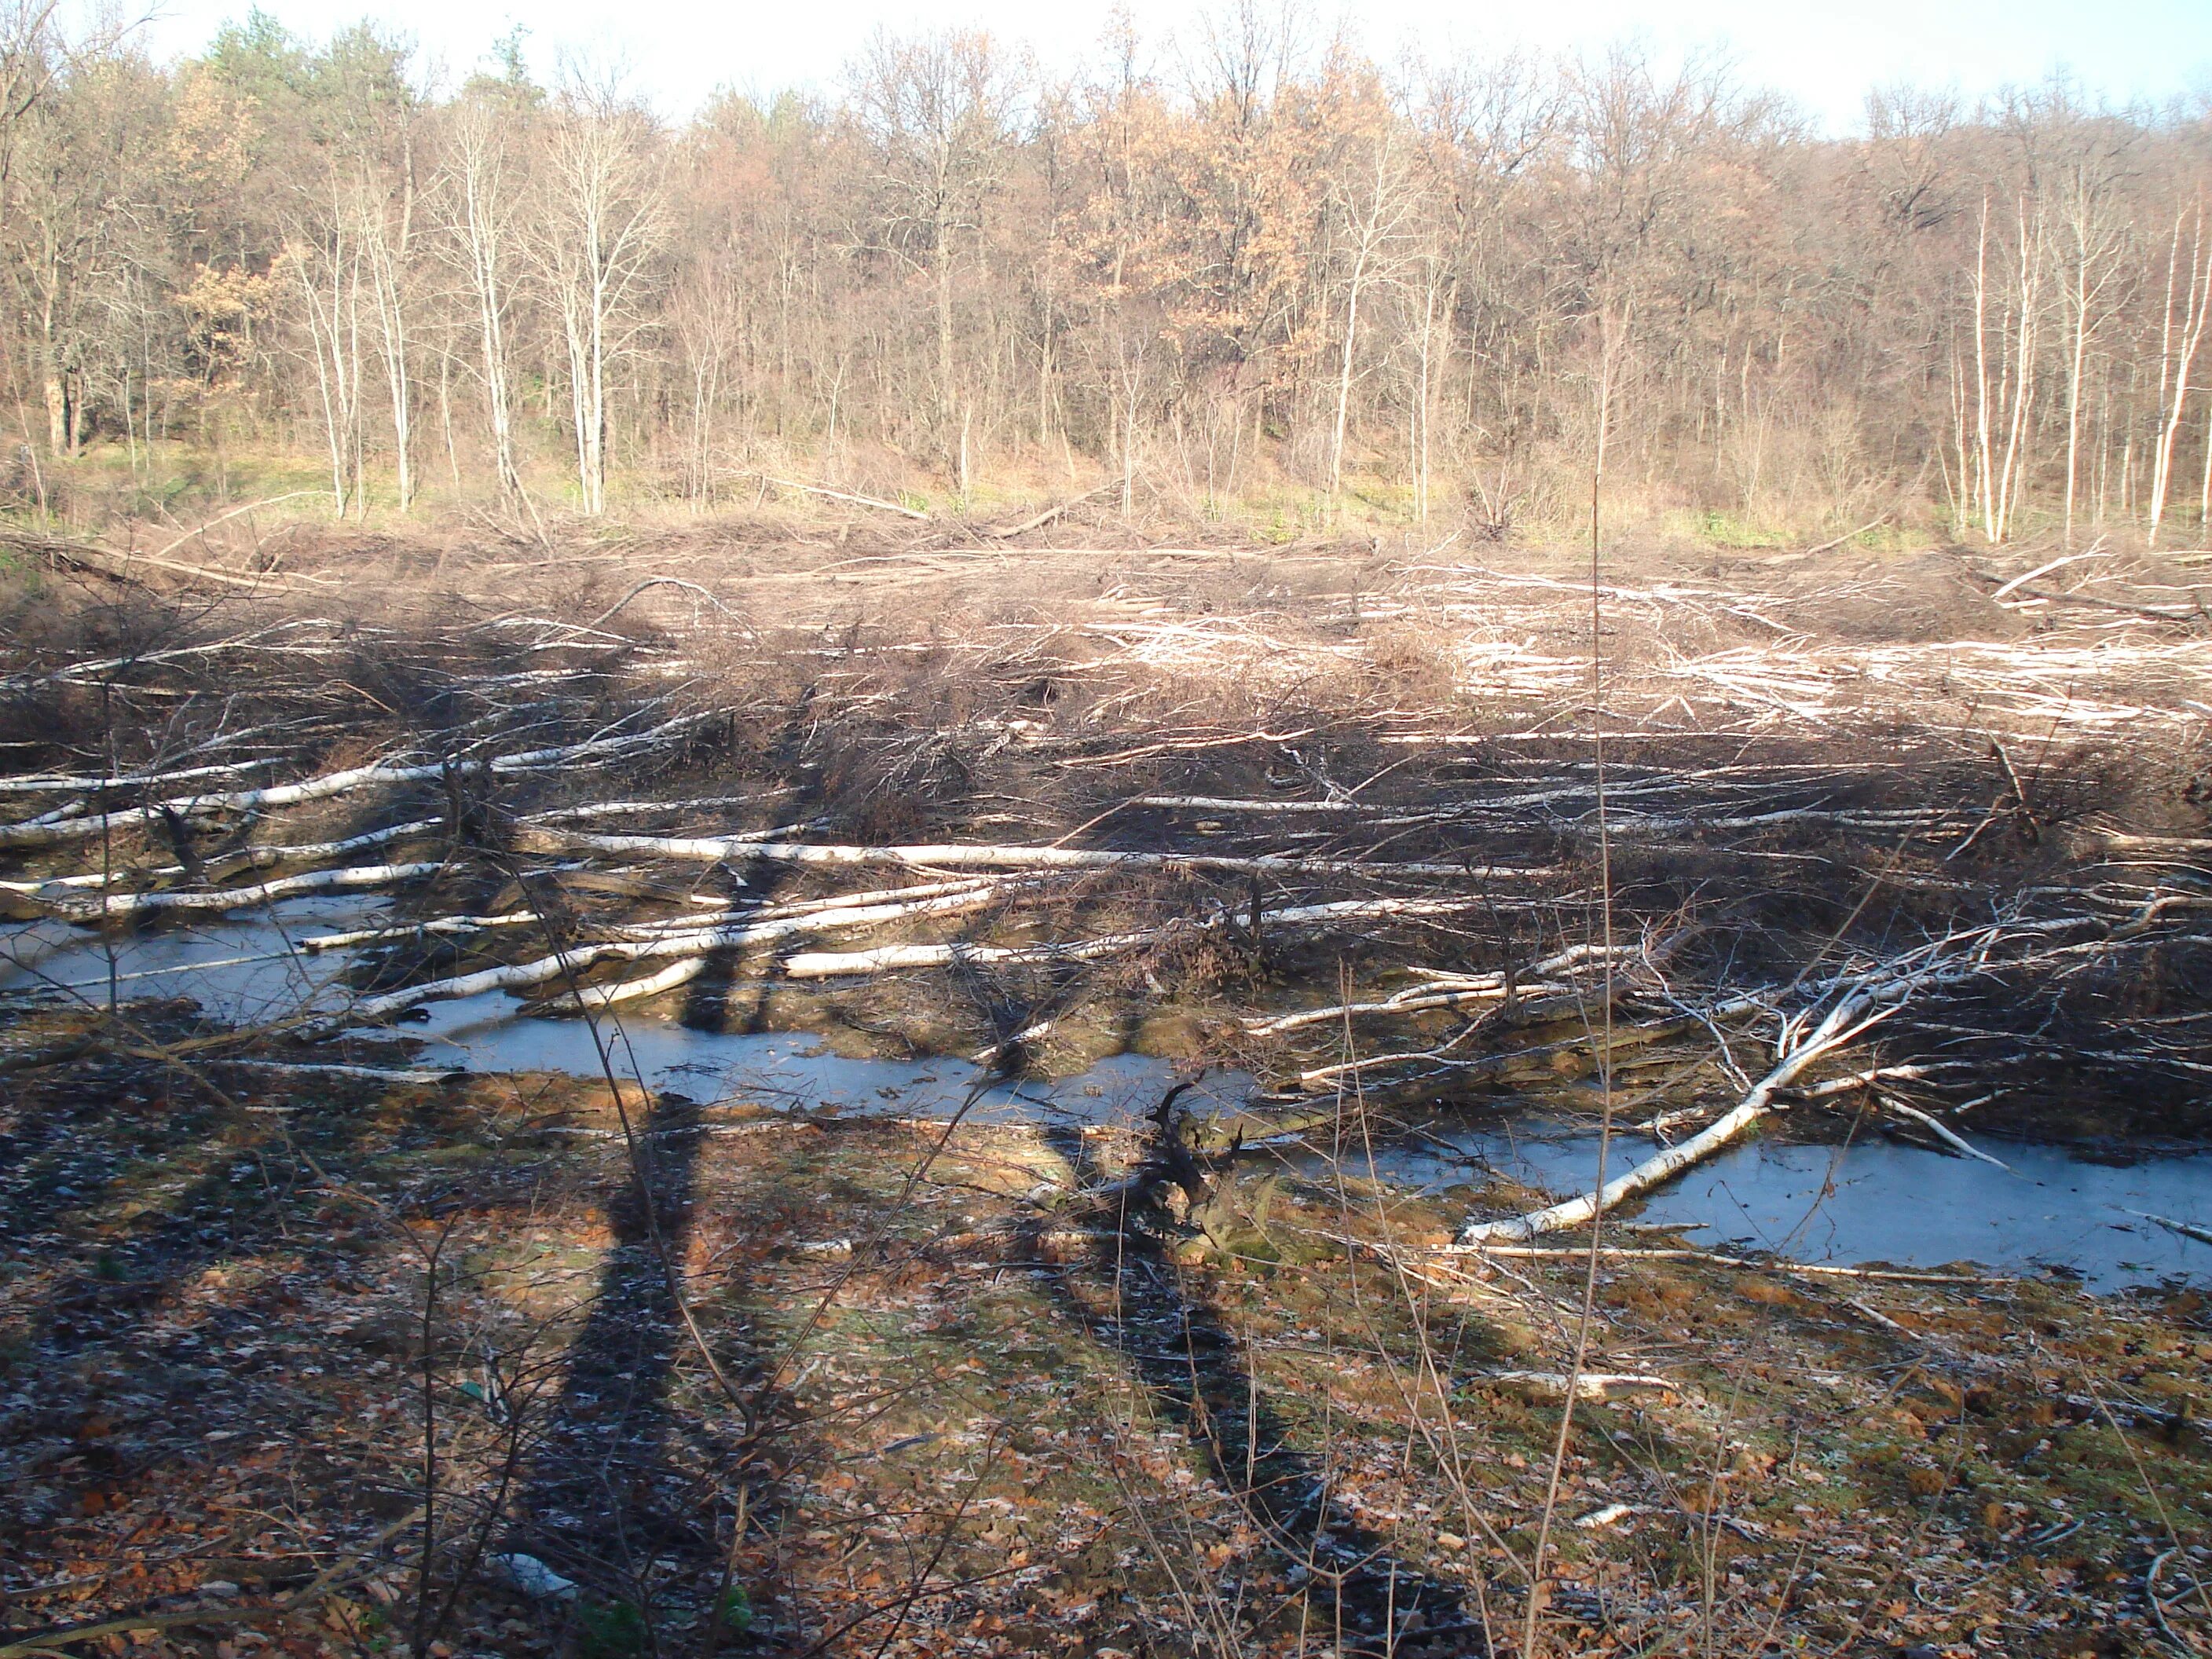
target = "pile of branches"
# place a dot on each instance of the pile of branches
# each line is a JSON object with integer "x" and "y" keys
{"x": 1358, "y": 832}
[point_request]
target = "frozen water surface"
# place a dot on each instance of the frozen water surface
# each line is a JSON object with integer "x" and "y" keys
{"x": 1872, "y": 1201}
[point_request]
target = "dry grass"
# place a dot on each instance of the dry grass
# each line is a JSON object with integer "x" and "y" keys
{"x": 963, "y": 1409}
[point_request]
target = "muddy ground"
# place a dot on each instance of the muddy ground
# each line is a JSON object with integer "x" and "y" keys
{"x": 693, "y": 1375}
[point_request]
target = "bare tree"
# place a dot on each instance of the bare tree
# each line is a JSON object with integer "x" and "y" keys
{"x": 325, "y": 258}
{"x": 481, "y": 186}
{"x": 936, "y": 108}
{"x": 386, "y": 231}
{"x": 1377, "y": 202}
{"x": 2188, "y": 279}
{"x": 597, "y": 247}
{"x": 2094, "y": 232}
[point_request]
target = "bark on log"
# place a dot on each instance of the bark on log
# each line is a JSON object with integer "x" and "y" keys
{"x": 331, "y": 783}
{"x": 829, "y": 965}
{"x": 561, "y": 964}
{"x": 716, "y": 849}
{"x": 112, "y": 907}
{"x": 1846, "y": 1020}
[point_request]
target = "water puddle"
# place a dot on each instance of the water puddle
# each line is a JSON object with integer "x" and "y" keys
{"x": 245, "y": 971}
{"x": 250, "y": 970}
{"x": 791, "y": 1071}
{"x": 1874, "y": 1201}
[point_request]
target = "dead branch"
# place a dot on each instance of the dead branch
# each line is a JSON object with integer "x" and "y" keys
{"x": 1866, "y": 1001}
{"x": 846, "y": 495}
{"x": 719, "y": 849}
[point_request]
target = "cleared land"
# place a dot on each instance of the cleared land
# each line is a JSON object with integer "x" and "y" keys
{"x": 1916, "y": 844}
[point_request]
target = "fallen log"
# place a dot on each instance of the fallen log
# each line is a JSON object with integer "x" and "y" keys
{"x": 2202, "y": 1235}
{"x": 55, "y": 783}
{"x": 830, "y": 964}
{"x": 567, "y": 963}
{"x": 1038, "y": 521}
{"x": 112, "y": 907}
{"x": 887, "y": 958}
{"x": 1440, "y": 991}
{"x": 1958, "y": 1143}
{"x": 716, "y": 849}
{"x": 36, "y": 833}
{"x": 1851, "y": 1015}
{"x": 224, "y": 865}
{"x": 880, "y": 505}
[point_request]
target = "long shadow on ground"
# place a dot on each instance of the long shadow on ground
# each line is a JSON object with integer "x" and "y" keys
{"x": 606, "y": 1501}
{"x": 1371, "y": 1602}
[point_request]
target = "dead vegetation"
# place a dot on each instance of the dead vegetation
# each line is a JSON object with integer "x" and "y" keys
{"x": 1919, "y": 846}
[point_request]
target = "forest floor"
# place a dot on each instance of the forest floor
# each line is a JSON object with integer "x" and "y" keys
{"x": 312, "y": 1344}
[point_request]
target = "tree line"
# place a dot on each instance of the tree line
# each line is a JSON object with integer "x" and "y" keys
{"x": 1258, "y": 274}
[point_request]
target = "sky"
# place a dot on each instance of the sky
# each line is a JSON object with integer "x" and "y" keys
{"x": 1824, "y": 56}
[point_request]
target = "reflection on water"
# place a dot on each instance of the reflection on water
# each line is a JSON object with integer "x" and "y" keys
{"x": 790, "y": 1070}
{"x": 245, "y": 970}
{"x": 248, "y": 969}
{"x": 1874, "y": 1201}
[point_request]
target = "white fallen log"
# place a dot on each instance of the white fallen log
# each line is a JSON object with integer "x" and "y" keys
{"x": 1956, "y": 1142}
{"x": 714, "y": 849}
{"x": 698, "y": 942}
{"x": 880, "y": 506}
{"x": 828, "y": 964}
{"x": 1404, "y": 1003}
{"x": 1440, "y": 991}
{"x": 616, "y": 808}
{"x": 1846, "y": 1020}
{"x": 809, "y": 907}
{"x": 110, "y": 907}
{"x": 439, "y": 926}
{"x": 2094, "y": 552}
{"x": 254, "y": 858}
{"x": 449, "y": 925}
{"x": 375, "y": 1073}
{"x": 1844, "y": 1086}
{"x": 833, "y": 964}
{"x": 1610, "y": 1515}
{"x": 322, "y": 788}
{"x": 1027, "y": 1035}
{"x": 1217, "y": 803}
{"x": 2202, "y": 1235}
{"x": 52, "y": 784}
{"x": 683, "y": 972}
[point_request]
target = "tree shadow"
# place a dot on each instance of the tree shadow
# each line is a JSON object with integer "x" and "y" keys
{"x": 607, "y": 1500}
{"x": 1189, "y": 1363}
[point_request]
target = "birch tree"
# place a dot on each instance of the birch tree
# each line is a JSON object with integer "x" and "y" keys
{"x": 2188, "y": 283}
{"x": 386, "y": 232}
{"x": 1376, "y": 203}
{"x": 325, "y": 257}
{"x": 598, "y": 244}
{"x": 481, "y": 193}
{"x": 2093, "y": 229}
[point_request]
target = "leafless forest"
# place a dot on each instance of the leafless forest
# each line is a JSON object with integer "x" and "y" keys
{"x": 1262, "y": 856}
{"x": 1245, "y": 275}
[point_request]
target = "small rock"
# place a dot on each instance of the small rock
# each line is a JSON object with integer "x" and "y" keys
{"x": 217, "y": 1587}
{"x": 532, "y": 1577}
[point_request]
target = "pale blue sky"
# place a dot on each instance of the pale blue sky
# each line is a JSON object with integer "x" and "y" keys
{"x": 1824, "y": 56}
